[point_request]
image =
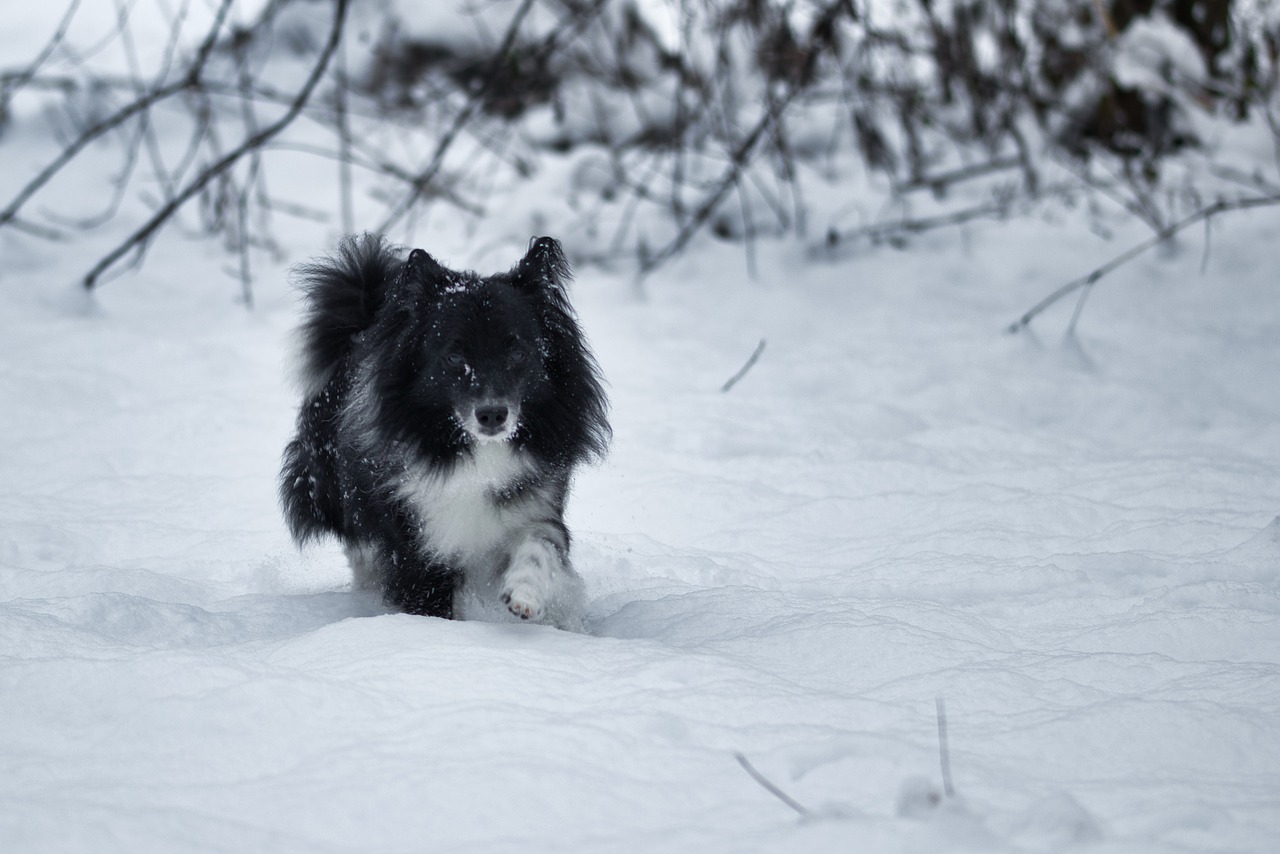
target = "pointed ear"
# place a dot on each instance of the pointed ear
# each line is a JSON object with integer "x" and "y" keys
{"x": 543, "y": 266}
{"x": 422, "y": 267}
{"x": 423, "y": 274}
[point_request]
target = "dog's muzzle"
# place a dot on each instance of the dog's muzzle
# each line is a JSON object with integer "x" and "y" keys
{"x": 492, "y": 421}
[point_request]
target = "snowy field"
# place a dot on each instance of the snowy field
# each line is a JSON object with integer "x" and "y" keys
{"x": 1075, "y": 545}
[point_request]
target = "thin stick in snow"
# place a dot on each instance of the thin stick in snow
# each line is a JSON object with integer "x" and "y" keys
{"x": 742, "y": 372}
{"x": 944, "y": 752}
{"x": 769, "y": 786}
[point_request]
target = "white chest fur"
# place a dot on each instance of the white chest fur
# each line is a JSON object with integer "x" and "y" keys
{"x": 457, "y": 511}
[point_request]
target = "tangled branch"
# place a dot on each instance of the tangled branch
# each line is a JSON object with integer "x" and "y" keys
{"x": 717, "y": 121}
{"x": 1085, "y": 283}
{"x": 253, "y": 143}
{"x": 101, "y": 128}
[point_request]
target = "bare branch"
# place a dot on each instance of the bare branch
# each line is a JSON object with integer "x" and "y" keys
{"x": 1089, "y": 279}
{"x": 12, "y": 84}
{"x": 939, "y": 182}
{"x": 769, "y": 786}
{"x": 896, "y": 229}
{"x": 473, "y": 105}
{"x": 742, "y": 372}
{"x": 944, "y": 750}
{"x": 139, "y": 238}
{"x": 732, "y": 173}
{"x": 346, "y": 201}
{"x": 118, "y": 118}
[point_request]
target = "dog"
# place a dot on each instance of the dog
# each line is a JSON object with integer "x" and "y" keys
{"x": 443, "y": 416}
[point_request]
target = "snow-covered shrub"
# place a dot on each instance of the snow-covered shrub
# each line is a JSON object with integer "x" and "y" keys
{"x": 663, "y": 119}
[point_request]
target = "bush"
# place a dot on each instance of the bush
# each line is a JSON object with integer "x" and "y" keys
{"x": 693, "y": 115}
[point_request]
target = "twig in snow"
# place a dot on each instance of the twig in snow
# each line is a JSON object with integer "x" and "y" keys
{"x": 769, "y": 786}
{"x": 1088, "y": 280}
{"x": 944, "y": 751}
{"x": 940, "y": 182}
{"x": 897, "y": 229}
{"x": 742, "y": 372}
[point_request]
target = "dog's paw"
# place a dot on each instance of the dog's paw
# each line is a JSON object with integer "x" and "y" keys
{"x": 523, "y": 601}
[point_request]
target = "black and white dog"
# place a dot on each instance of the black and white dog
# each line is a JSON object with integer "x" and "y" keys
{"x": 442, "y": 418}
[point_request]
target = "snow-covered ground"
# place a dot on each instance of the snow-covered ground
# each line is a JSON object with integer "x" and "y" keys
{"x": 1074, "y": 545}
{"x": 1074, "y": 548}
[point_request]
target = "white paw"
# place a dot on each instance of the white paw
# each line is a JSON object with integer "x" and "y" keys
{"x": 538, "y": 585}
{"x": 523, "y": 601}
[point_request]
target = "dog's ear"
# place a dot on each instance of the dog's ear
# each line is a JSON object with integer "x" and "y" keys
{"x": 543, "y": 265}
{"x": 422, "y": 268}
{"x": 423, "y": 274}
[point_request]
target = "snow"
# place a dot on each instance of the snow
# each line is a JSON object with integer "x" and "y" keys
{"x": 1153, "y": 52}
{"x": 1075, "y": 544}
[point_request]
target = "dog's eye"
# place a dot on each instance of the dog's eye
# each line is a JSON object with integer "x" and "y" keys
{"x": 456, "y": 361}
{"x": 517, "y": 356}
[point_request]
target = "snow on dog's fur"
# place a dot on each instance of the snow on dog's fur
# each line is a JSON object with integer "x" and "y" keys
{"x": 443, "y": 415}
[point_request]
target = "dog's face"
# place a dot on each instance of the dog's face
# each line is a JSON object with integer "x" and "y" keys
{"x": 485, "y": 357}
{"x": 477, "y": 352}
{"x": 455, "y": 360}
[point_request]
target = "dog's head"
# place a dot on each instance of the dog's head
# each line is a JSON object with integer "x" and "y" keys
{"x": 481, "y": 349}
{"x": 455, "y": 360}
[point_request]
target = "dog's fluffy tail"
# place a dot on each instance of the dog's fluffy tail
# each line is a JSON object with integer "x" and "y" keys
{"x": 309, "y": 490}
{"x": 343, "y": 293}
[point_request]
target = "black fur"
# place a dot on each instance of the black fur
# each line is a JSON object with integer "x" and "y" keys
{"x": 435, "y": 400}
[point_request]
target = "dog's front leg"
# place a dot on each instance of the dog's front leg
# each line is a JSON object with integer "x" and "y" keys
{"x": 539, "y": 583}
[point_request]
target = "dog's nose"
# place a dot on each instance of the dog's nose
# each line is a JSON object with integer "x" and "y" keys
{"x": 491, "y": 418}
